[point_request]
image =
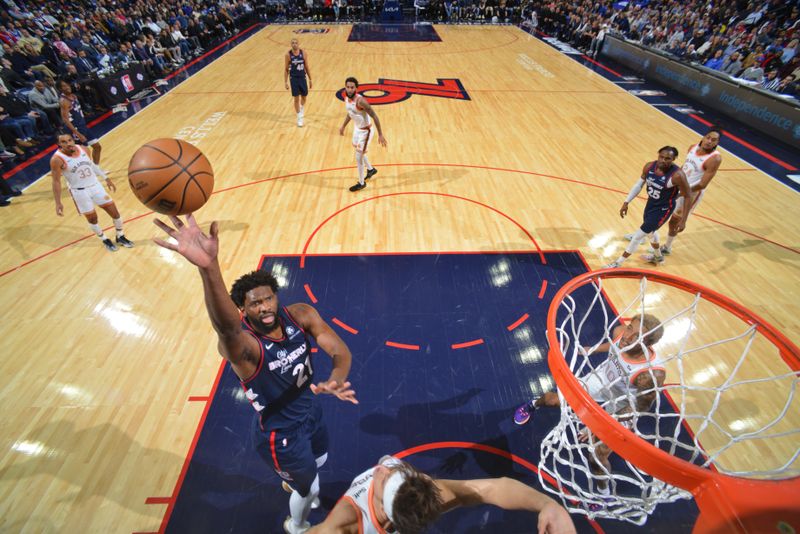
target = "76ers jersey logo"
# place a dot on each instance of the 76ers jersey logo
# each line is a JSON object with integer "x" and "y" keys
{"x": 394, "y": 91}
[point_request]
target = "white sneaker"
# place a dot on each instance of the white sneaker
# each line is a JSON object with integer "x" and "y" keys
{"x": 652, "y": 258}
{"x": 613, "y": 265}
{"x": 289, "y": 528}
{"x": 300, "y": 121}
{"x": 629, "y": 237}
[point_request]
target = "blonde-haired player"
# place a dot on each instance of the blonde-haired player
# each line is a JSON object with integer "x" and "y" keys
{"x": 74, "y": 163}
{"x": 361, "y": 113}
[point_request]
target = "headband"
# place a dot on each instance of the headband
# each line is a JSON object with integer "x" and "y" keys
{"x": 390, "y": 488}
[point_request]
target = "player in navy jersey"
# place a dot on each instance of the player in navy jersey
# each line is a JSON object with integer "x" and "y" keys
{"x": 269, "y": 349}
{"x": 73, "y": 119}
{"x": 665, "y": 181}
{"x": 296, "y": 71}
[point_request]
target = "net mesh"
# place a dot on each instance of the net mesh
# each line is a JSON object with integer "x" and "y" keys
{"x": 728, "y": 403}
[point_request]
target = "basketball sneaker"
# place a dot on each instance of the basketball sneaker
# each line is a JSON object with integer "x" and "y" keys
{"x": 613, "y": 265}
{"x": 290, "y": 528}
{"x": 629, "y": 237}
{"x": 111, "y": 247}
{"x": 370, "y": 173}
{"x": 300, "y": 121}
{"x": 358, "y": 187}
{"x": 652, "y": 258}
{"x": 124, "y": 241}
{"x": 666, "y": 251}
{"x": 523, "y": 414}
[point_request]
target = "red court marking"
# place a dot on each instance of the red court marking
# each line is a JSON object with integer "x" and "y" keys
{"x": 309, "y": 293}
{"x": 401, "y": 345}
{"x": 491, "y": 450}
{"x": 472, "y": 343}
{"x": 190, "y": 454}
{"x": 158, "y": 500}
{"x": 745, "y": 144}
{"x": 483, "y": 167}
{"x": 344, "y": 326}
{"x": 199, "y": 399}
{"x": 518, "y": 322}
{"x": 612, "y": 71}
{"x": 431, "y": 193}
{"x": 544, "y": 288}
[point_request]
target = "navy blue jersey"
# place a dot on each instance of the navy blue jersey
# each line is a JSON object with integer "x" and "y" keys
{"x": 297, "y": 65}
{"x": 279, "y": 389}
{"x": 660, "y": 193}
{"x": 75, "y": 112}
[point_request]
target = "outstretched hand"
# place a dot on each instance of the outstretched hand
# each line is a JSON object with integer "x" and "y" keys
{"x": 332, "y": 387}
{"x": 200, "y": 249}
{"x": 554, "y": 519}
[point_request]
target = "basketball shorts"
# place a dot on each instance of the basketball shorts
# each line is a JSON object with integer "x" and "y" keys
{"x": 361, "y": 138}
{"x": 697, "y": 196}
{"x": 654, "y": 218}
{"x": 84, "y": 130}
{"x": 293, "y": 452}
{"x": 299, "y": 86}
{"x": 86, "y": 198}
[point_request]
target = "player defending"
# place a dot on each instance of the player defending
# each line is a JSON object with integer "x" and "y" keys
{"x": 394, "y": 497}
{"x": 701, "y": 165}
{"x": 73, "y": 162}
{"x": 664, "y": 182}
{"x": 631, "y": 371}
{"x": 296, "y": 70}
{"x": 362, "y": 115}
{"x": 73, "y": 119}
{"x": 269, "y": 349}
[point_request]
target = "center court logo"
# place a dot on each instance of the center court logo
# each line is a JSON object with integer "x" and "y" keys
{"x": 394, "y": 91}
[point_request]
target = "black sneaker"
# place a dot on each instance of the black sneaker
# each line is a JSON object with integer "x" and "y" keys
{"x": 15, "y": 193}
{"x": 124, "y": 241}
{"x": 358, "y": 187}
{"x": 3, "y": 201}
{"x": 370, "y": 173}
{"x": 111, "y": 247}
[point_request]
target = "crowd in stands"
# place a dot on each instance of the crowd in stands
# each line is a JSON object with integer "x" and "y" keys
{"x": 757, "y": 41}
{"x": 82, "y": 41}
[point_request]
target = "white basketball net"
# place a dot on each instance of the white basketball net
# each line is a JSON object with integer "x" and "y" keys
{"x": 633, "y": 494}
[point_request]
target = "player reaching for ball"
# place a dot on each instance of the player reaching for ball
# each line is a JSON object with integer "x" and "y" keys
{"x": 269, "y": 349}
{"x": 74, "y": 163}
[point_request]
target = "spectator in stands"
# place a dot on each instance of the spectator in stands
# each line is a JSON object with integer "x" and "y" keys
{"x": 771, "y": 81}
{"x": 45, "y": 99}
{"x": 10, "y": 78}
{"x": 103, "y": 59}
{"x": 733, "y": 65}
{"x": 15, "y": 115}
{"x": 84, "y": 65}
{"x": 788, "y": 86}
{"x": 715, "y": 62}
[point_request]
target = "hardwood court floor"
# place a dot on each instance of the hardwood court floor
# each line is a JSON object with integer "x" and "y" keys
{"x": 101, "y": 351}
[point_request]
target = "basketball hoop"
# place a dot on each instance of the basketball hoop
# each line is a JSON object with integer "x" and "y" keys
{"x": 745, "y": 476}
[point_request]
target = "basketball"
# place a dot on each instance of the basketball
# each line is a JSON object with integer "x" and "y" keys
{"x": 171, "y": 176}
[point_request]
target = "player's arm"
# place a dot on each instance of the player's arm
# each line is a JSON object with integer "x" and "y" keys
{"x": 508, "y": 494}
{"x": 637, "y": 187}
{"x": 363, "y": 104}
{"x": 65, "y": 116}
{"x": 236, "y": 346}
{"x": 308, "y": 71}
{"x": 330, "y": 342}
{"x": 646, "y": 388}
{"x": 343, "y": 519}
{"x": 55, "y": 170}
{"x": 679, "y": 179}
{"x": 345, "y": 123}
{"x": 710, "y": 170}
{"x": 286, "y": 70}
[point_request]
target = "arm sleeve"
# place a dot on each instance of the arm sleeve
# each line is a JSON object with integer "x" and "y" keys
{"x": 637, "y": 187}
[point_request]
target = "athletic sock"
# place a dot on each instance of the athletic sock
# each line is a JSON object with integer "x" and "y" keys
{"x": 97, "y": 230}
